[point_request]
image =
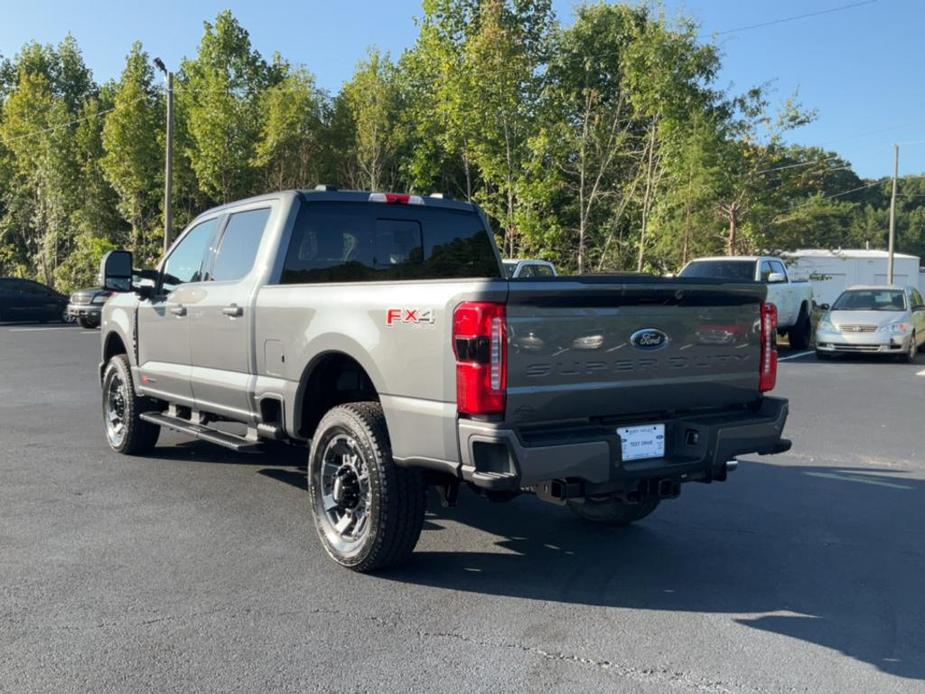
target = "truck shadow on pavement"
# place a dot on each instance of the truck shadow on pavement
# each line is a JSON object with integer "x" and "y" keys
{"x": 829, "y": 556}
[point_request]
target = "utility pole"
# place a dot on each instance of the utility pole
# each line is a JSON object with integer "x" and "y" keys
{"x": 168, "y": 165}
{"x": 892, "y": 244}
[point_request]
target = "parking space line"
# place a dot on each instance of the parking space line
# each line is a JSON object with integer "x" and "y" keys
{"x": 36, "y": 330}
{"x": 862, "y": 480}
{"x": 921, "y": 373}
{"x": 795, "y": 356}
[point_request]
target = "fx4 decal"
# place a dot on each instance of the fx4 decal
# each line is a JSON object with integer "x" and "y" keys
{"x": 409, "y": 316}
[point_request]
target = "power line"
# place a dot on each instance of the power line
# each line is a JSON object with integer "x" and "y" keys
{"x": 59, "y": 126}
{"x": 795, "y": 166}
{"x": 853, "y": 190}
{"x": 794, "y": 18}
{"x": 825, "y": 197}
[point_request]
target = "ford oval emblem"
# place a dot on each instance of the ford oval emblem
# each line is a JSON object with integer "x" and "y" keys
{"x": 649, "y": 339}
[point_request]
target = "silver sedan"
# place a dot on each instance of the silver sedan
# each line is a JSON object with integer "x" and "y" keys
{"x": 873, "y": 320}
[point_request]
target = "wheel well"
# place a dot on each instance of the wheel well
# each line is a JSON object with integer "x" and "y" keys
{"x": 114, "y": 346}
{"x": 331, "y": 380}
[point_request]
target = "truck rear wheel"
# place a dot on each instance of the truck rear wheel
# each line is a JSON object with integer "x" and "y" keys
{"x": 800, "y": 334}
{"x": 612, "y": 511}
{"x": 126, "y": 432}
{"x": 368, "y": 511}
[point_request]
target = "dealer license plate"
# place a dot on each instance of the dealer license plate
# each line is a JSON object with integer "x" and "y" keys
{"x": 647, "y": 441}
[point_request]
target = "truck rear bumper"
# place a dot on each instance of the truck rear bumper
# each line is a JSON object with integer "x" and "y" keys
{"x": 697, "y": 447}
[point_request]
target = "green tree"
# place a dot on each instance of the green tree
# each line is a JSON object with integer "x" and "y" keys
{"x": 368, "y": 113}
{"x": 133, "y": 160}
{"x": 219, "y": 95}
{"x": 502, "y": 63}
{"x": 291, "y": 149}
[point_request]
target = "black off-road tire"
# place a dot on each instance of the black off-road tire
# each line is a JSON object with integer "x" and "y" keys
{"x": 611, "y": 511}
{"x": 138, "y": 436}
{"x": 396, "y": 495}
{"x": 801, "y": 334}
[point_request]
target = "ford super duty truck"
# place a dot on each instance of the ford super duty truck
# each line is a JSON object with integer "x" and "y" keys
{"x": 380, "y": 331}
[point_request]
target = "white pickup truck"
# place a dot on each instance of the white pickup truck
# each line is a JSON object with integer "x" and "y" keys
{"x": 793, "y": 298}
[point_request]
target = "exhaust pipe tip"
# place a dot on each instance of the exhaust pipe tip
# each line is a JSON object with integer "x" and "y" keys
{"x": 732, "y": 465}
{"x": 669, "y": 489}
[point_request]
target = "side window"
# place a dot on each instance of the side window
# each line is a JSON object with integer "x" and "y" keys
{"x": 456, "y": 244}
{"x": 239, "y": 245}
{"x": 543, "y": 271}
{"x": 765, "y": 270}
{"x": 777, "y": 266}
{"x": 17, "y": 287}
{"x": 34, "y": 288}
{"x": 185, "y": 262}
{"x": 916, "y": 298}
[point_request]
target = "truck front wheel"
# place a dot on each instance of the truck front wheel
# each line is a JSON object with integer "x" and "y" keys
{"x": 368, "y": 511}
{"x": 612, "y": 511}
{"x": 126, "y": 432}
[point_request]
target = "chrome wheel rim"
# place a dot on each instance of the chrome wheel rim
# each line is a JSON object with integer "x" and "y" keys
{"x": 342, "y": 493}
{"x": 114, "y": 409}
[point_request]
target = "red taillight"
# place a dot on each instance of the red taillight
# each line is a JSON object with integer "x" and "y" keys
{"x": 480, "y": 344}
{"x": 768, "y": 368}
{"x": 396, "y": 198}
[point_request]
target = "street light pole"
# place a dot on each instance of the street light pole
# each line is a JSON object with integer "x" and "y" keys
{"x": 168, "y": 159}
{"x": 892, "y": 242}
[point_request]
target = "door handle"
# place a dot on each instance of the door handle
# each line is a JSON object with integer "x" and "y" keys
{"x": 178, "y": 310}
{"x": 233, "y": 310}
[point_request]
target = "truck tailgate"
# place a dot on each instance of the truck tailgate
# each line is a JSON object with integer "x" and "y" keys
{"x": 599, "y": 347}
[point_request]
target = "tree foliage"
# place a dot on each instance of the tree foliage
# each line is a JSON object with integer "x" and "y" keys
{"x": 603, "y": 145}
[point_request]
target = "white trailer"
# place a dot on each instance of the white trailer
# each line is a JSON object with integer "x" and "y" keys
{"x": 831, "y": 272}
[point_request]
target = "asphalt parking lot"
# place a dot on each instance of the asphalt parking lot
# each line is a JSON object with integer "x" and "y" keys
{"x": 198, "y": 569}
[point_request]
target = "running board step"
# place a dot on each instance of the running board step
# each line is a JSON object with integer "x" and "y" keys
{"x": 184, "y": 426}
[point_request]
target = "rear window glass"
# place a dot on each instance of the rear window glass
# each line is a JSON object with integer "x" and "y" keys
{"x": 740, "y": 270}
{"x": 351, "y": 242}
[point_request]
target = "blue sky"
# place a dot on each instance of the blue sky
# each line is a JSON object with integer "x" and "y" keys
{"x": 862, "y": 68}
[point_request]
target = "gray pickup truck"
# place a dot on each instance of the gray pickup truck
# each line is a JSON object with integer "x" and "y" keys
{"x": 379, "y": 330}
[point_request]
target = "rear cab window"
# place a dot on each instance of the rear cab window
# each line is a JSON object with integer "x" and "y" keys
{"x": 365, "y": 242}
{"x": 738, "y": 270}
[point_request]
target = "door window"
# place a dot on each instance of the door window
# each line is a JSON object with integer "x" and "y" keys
{"x": 239, "y": 245}
{"x": 33, "y": 288}
{"x": 185, "y": 262}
